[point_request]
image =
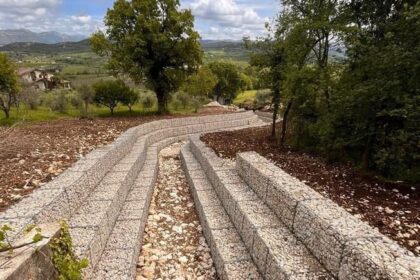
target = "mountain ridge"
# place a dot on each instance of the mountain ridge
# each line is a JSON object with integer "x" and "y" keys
{"x": 8, "y": 36}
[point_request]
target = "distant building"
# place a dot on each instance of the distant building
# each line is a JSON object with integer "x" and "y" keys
{"x": 42, "y": 79}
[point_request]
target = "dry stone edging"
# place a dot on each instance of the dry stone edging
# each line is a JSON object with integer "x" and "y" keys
{"x": 231, "y": 259}
{"x": 32, "y": 262}
{"x": 348, "y": 247}
{"x": 274, "y": 249}
{"x": 77, "y": 189}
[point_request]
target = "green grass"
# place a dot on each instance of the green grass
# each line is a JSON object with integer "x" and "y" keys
{"x": 41, "y": 114}
{"x": 26, "y": 116}
{"x": 245, "y": 97}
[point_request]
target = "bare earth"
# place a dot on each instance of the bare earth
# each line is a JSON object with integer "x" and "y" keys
{"x": 174, "y": 246}
{"x": 33, "y": 155}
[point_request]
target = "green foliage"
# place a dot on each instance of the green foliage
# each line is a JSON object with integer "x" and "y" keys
{"x": 7, "y": 246}
{"x": 63, "y": 258}
{"x": 109, "y": 93}
{"x": 246, "y": 82}
{"x": 263, "y": 98}
{"x": 129, "y": 98}
{"x": 4, "y": 242}
{"x": 376, "y": 117}
{"x": 180, "y": 99}
{"x": 148, "y": 100}
{"x": 30, "y": 97}
{"x": 201, "y": 83}
{"x": 56, "y": 101}
{"x": 228, "y": 80}
{"x": 86, "y": 95}
{"x": 9, "y": 84}
{"x": 152, "y": 41}
{"x": 363, "y": 108}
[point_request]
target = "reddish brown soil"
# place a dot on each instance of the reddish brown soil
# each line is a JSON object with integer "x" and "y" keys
{"x": 32, "y": 155}
{"x": 394, "y": 208}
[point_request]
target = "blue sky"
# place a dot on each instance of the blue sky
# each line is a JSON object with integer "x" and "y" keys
{"x": 215, "y": 19}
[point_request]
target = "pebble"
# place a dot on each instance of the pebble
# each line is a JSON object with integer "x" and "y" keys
{"x": 174, "y": 245}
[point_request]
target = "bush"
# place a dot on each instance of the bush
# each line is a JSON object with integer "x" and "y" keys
{"x": 180, "y": 99}
{"x": 74, "y": 99}
{"x": 55, "y": 100}
{"x": 263, "y": 98}
{"x": 30, "y": 97}
{"x": 148, "y": 100}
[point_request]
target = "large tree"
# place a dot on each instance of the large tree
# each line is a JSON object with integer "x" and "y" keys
{"x": 228, "y": 80}
{"x": 9, "y": 84}
{"x": 153, "y": 41}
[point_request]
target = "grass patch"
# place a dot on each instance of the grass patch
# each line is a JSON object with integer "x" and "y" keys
{"x": 27, "y": 116}
{"x": 247, "y": 96}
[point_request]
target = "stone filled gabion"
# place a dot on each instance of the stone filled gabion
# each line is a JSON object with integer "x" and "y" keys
{"x": 107, "y": 186}
{"x": 346, "y": 246}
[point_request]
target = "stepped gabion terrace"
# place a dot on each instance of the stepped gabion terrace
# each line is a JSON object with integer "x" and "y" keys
{"x": 252, "y": 220}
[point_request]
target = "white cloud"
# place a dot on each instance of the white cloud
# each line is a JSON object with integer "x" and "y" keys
{"x": 82, "y": 19}
{"x": 44, "y": 15}
{"x": 227, "y": 19}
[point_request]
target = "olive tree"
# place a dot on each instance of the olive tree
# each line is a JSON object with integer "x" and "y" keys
{"x": 9, "y": 84}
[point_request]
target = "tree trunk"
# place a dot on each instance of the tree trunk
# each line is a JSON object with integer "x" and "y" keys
{"x": 284, "y": 125}
{"x": 162, "y": 100}
{"x": 112, "y": 110}
{"x": 6, "y": 112}
{"x": 366, "y": 154}
{"x": 276, "y": 103}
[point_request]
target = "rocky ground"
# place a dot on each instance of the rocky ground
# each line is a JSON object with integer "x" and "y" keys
{"x": 174, "y": 246}
{"x": 394, "y": 208}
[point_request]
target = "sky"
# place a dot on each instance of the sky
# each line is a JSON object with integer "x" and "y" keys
{"x": 215, "y": 19}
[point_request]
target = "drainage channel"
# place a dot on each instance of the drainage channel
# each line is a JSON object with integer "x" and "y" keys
{"x": 174, "y": 246}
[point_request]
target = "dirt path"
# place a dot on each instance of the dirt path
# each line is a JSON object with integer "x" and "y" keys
{"x": 174, "y": 246}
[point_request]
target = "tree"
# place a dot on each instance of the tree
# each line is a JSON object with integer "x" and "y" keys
{"x": 246, "y": 82}
{"x": 375, "y": 117}
{"x": 201, "y": 83}
{"x": 130, "y": 98}
{"x": 229, "y": 80}
{"x": 268, "y": 56}
{"x": 9, "y": 84}
{"x": 110, "y": 93}
{"x": 153, "y": 41}
{"x": 87, "y": 95}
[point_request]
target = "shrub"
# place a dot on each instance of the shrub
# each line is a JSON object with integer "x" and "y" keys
{"x": 55, "y": 100}
{"x": 263, "y": 98}
{"x": 180, "y": 99}
{"x": 30, "y": 97}
{"x": 148, "y": 100}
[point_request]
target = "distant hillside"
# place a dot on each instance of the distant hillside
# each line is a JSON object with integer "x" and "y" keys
{"x": 234, "y": 50}
{"x": 40, "y": 48}
{"x": 24, "y": 35}
{"x": 209, "y": 46}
